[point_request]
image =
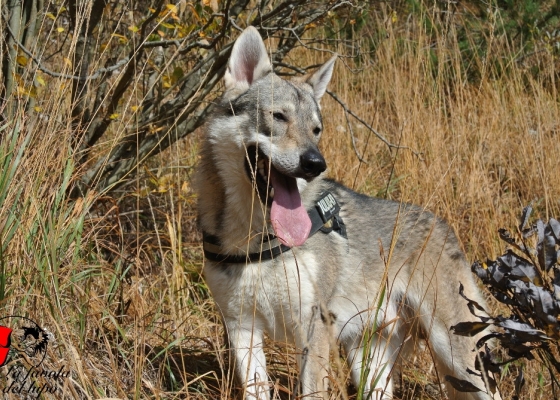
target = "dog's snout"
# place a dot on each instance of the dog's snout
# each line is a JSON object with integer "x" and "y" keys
{"x": 312, "y": 163}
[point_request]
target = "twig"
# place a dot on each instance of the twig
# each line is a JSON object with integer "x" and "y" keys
{"x": 299, "y": 70}
{"x": 232, "y": 22}
{"x": 359, "y": 165}
{"x": 179, "y": 42}
{"x": 352, "y": 134}
{"x": 522, "y": 57}
{"x": 393, "y": 166}
{"x": 364, "y": 123}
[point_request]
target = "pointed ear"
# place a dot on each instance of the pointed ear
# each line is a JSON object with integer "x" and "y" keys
{"x": 248, "y": 61}
{"x": 321, "y": 78}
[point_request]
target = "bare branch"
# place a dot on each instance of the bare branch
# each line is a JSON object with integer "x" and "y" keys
{"x": 299, "y": 70}
{"x": 100, "y": 125}
{"x": 371, "y": 129}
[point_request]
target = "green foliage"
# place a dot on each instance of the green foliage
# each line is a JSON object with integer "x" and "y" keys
{"x": 12, "y": 147}
{"x": 482, "y": 31}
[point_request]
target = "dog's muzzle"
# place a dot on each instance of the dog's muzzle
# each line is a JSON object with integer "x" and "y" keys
{"x": 257, "y": 166}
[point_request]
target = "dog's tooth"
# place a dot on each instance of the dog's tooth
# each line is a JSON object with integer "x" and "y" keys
{"x": 260, "y": 163}
{"x": 271, "y": 192}
{"x": 261, "y": 171}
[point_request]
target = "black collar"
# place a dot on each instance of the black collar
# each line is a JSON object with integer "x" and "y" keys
{"x": 324, "y": 217}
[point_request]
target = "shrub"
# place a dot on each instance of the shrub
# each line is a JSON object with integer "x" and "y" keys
{"x": 526, "y": 279}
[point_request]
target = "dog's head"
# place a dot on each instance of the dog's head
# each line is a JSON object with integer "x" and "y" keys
{"x": 278, "y": 125}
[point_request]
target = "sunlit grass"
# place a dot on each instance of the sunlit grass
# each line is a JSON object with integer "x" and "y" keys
{"x": 116, "y": 277}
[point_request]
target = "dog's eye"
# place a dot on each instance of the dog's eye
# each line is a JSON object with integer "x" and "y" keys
{"x": 317, "y": 130}
{"x": 278, "y": 116}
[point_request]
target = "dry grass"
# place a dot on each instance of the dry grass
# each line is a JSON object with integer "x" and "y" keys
{"x": 117, "y": 279}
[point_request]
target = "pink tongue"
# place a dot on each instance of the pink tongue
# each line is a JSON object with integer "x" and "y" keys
{"x": 289, "y": 218}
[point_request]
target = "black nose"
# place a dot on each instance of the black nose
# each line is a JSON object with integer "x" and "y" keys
{"x": 312, "y": 163}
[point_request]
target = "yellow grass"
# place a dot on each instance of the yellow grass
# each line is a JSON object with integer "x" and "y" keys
{"x": 130, "y": 313}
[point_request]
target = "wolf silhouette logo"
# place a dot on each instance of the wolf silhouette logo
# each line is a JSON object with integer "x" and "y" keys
{"x": 22, "y": 336}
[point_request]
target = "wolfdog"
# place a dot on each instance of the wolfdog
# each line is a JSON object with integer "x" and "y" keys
{"x": 306, "y": 260}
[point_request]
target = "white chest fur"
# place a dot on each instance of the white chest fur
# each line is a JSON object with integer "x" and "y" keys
{"x": 269, "y": 296}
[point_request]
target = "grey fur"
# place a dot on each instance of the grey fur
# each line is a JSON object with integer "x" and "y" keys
{"x": 326, "y": 290}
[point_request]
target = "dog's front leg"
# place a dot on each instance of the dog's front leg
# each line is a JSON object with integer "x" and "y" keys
{"x": 246, "y": 352}
{"x": 314, "y": 343}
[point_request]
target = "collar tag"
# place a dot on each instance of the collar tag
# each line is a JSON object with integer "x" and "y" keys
{"x": 327, "y": 206}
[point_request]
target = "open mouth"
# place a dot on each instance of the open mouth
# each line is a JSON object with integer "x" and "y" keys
{"x": 279, "y": 192}
{"x": 257, "y": 167}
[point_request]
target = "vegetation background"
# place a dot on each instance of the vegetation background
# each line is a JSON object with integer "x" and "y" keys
{"x": 450, "y": 105}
